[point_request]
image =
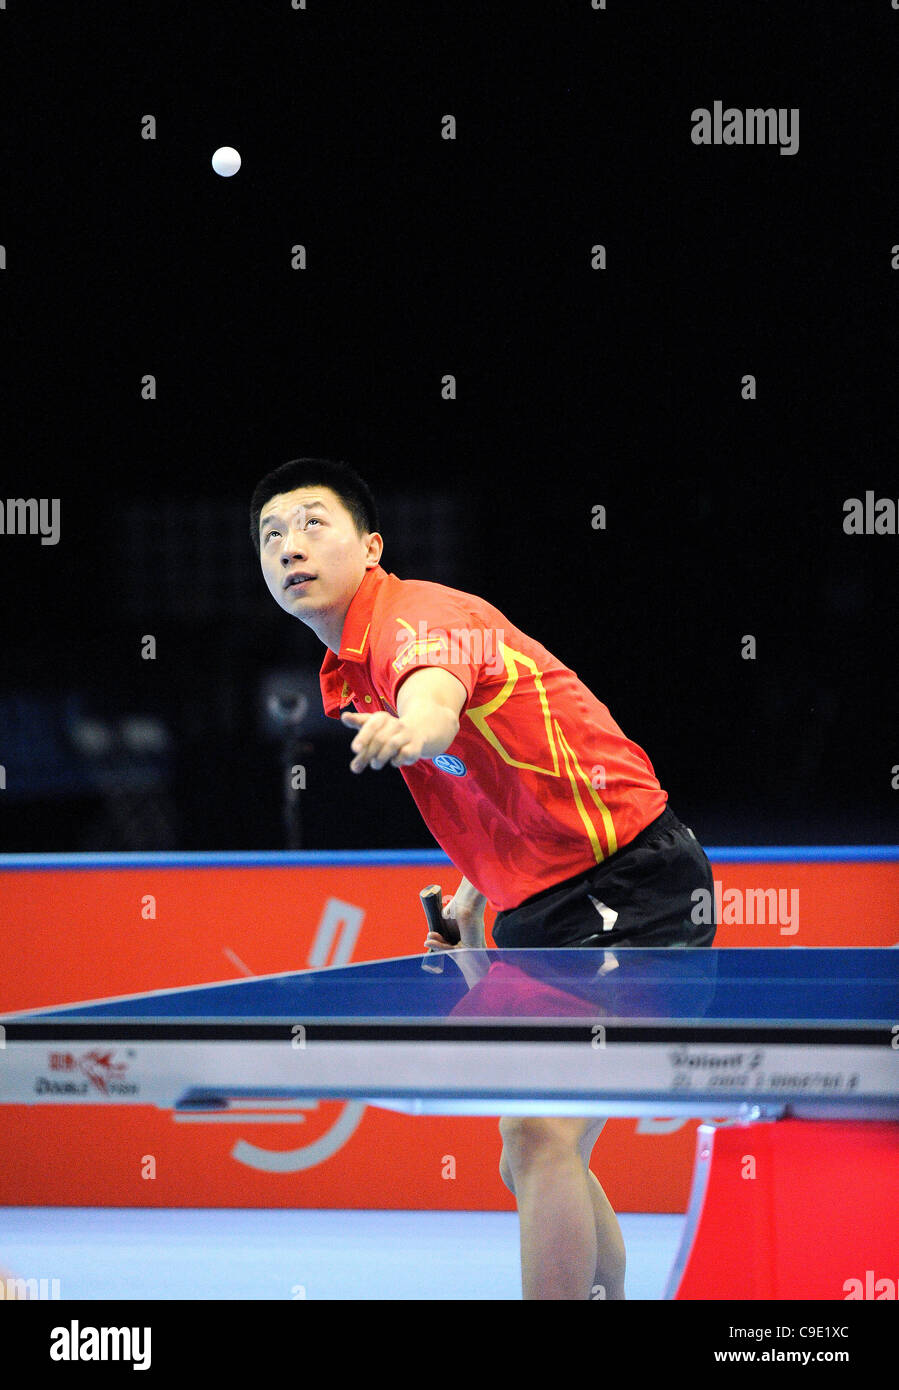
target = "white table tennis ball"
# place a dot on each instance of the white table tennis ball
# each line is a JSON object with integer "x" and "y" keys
{"x": 226, "y": 161}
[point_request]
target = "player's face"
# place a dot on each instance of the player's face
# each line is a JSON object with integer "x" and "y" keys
{"x": 309, "y": 533}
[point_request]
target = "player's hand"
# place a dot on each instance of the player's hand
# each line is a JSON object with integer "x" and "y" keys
{"x": 465, "y": 907}
{"x": 382, "y": 738}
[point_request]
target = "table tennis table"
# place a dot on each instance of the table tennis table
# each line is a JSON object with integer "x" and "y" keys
{"x": 773, "y": 1032}
{"x": 740, "y": 1036}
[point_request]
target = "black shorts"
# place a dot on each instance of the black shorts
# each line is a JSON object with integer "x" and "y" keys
{"x": 644, "y": 895}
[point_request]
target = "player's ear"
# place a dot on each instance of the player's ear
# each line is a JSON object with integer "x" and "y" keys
{"x": 375, "y": 543}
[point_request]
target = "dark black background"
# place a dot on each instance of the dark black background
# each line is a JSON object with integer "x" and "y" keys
{"x": 575, "y": 388}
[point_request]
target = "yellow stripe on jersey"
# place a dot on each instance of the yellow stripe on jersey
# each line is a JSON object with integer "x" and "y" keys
{"x": 582, "y": 810}
{"x": 482, "y": 713}
{"x": 607, "y": 822}
{"x": 361, "y": 647}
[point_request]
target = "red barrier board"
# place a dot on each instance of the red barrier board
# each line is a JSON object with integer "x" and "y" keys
{"x": 752, "y": 1238}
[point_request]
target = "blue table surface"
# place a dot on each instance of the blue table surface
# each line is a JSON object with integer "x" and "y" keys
{"x": 781, "y": 984}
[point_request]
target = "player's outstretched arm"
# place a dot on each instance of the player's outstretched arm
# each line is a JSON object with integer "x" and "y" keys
{"x": 425, "y": 724}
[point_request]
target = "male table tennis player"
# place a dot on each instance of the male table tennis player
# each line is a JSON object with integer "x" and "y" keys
{"x": 525, "y": 780}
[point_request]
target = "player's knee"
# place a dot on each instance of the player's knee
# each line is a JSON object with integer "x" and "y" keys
{"x": 528, "y": 1140}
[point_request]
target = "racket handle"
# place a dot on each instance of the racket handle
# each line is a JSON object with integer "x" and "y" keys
{"x": 432, "y": 902}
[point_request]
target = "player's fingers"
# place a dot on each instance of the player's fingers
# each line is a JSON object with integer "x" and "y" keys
{"x": 389, "y": 746}
{"x": 408, "y": 754}
{"x": 435, "y": 942}
{"x": 366, "y": 744}
{"x": 381, "y": 749}
{"x": 365, "y": 736}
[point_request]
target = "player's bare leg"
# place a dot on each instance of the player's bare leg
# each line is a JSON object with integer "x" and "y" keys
{"x": 608, "y": 1279}
{"x": 571, "y": 1243}
{"x": 610, "y": 1253}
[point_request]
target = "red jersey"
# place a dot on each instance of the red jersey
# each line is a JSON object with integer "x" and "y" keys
{"x": 540, "y": 783}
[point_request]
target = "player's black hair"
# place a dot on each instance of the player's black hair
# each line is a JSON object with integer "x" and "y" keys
{"x": 343, "y": 480}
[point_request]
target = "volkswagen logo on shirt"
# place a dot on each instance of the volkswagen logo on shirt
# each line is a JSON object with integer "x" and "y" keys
{"x": 447, "y": 763}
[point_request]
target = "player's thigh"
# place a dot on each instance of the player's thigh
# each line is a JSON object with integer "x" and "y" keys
{"x": 530, "y": 1136}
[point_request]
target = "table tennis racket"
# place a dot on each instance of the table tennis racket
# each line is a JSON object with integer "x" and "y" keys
{"x": 432, "y": 902}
